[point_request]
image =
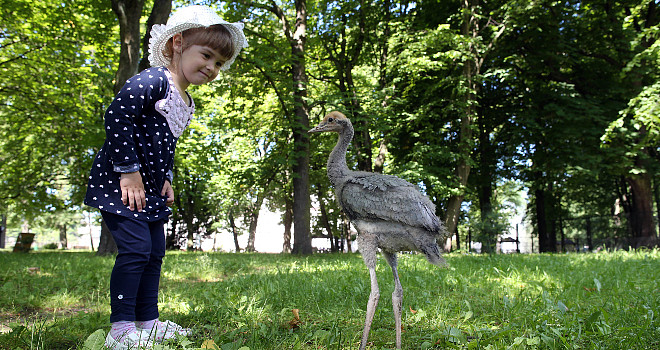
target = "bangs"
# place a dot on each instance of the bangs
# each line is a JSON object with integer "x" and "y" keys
{"x": 217, "y": 37}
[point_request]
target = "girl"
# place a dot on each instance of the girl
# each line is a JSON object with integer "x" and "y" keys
{"x": 131, "y": 178}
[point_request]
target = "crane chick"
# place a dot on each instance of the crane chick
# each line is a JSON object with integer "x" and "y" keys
{"x": 388, "y": 212}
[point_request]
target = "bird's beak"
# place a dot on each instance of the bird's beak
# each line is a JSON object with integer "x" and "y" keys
{"x": 318, "y": 128}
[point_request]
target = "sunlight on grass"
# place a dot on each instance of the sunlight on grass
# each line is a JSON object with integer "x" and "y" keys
{"x": 607, "y": 300}
{"x": 61, "y": 300}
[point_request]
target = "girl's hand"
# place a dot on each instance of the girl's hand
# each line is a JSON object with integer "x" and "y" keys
{"x": 169, "y": 192}
{"x": 132, "y": 191}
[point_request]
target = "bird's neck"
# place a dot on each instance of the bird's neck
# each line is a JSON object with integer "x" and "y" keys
{"x": 337, "y": 168}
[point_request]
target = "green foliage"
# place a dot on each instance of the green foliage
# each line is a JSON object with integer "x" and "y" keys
{"x": 565, "y": 101}
{"x": 56, "y": 72}
{"x": 586, "y": 301}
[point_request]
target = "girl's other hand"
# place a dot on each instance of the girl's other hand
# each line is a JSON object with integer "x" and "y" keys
{"x": 132, "y": 191}
{"x": 169, "y": 192}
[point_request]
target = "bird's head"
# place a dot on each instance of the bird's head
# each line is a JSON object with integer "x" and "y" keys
{"x": 333, "y": 121}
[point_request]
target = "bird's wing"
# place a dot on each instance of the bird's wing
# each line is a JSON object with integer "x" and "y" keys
{"x": 389, "y": 198}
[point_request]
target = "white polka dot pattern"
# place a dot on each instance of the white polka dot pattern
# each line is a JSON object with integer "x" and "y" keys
{"x": 139, "y": 137}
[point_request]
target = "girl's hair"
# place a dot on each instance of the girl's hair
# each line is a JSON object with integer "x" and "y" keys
{"x": 217, "y": 37}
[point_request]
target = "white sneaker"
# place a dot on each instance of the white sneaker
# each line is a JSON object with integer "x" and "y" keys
{"x": 162, "y": 331}
{"x": 134, "y": 340}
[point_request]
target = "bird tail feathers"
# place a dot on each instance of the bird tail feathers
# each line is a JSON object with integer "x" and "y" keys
{"x": 433, "y": 255}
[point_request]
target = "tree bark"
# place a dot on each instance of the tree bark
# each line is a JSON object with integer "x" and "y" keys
{"x": 641, "y": 217}
{"x": 589, "y": 235}
{"x": 379, "y": 163}
{"x": 325, "y": 221}
{"x": 485, "y": 179}
{"x": 547, "y": 238}
{"x": 109, "y": 247}
{"x": 288, "y": 221}
{"x": 63, "y": 237}
{"x": 302, "y": 242}
{"x": 656, "y": 195}
{"x": 159, "y": 14}
{"x": 346, "y": 227}
{"x": 254, "y": 219}
{"x": 470, "y": 70}
{"x": 129, "y": 13}
{"x": 3, "y": 231}
{"x": 470, "y": 28}
{"x": 234, "y": 230}
{"x": 297, "y": 36}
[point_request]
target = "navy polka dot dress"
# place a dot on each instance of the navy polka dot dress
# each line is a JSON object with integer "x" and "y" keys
{"x": 142, "y": 126}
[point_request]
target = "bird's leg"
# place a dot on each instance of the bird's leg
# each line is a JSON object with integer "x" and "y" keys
{"x": 368, "y": 250}
{"x": 397, "y": 296}
{"x": 372, "y": 304}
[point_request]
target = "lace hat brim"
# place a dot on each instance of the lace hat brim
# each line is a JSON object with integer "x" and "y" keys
{"x": 188, "y": 18}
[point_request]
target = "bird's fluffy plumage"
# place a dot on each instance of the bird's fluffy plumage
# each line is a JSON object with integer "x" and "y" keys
{"x": 385, "y": 197}
{"x": 388, "y": 212}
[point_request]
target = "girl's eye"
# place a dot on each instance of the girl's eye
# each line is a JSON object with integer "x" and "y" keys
{"x": 206, "y": 56}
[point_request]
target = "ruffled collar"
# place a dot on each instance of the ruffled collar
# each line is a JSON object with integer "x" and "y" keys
{"x": 174, "y": 108}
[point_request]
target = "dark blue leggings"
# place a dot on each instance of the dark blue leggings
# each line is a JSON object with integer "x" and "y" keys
{"x": 135, "y": 277}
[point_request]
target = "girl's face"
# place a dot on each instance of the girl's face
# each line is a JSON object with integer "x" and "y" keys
{"x": 200, "y": 64}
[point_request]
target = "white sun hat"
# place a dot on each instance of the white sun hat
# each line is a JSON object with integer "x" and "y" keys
{"x": 187, "y": 18}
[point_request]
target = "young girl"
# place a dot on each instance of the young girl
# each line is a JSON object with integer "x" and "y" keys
{"x": 131, "y": 178}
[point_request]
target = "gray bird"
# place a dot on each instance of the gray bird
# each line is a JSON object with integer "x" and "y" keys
{"x": 388, "y": 212}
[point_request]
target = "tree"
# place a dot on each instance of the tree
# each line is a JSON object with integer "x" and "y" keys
{"x": 295, "y": 33}
{"x": 50, "y": 117}
{"x": 636, "y": 131}
{"x": 342, "y": 35}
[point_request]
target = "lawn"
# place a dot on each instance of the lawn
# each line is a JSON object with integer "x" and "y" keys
{"x": 607, "y": 300}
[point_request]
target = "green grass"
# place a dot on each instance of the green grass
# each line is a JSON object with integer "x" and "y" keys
{"x": 585, "y": 301}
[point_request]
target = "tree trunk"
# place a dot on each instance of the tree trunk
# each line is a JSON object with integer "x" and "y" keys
{"x": 625, "y": 201}
{"x": 170, "y": 236}
{"x": 469, "y": 240}
{"x": 63, "y": 237}
{"x": 346, "y": 228}
{"x": 656, "y": 194}
{"x": 128, "y": 13}
{"x": 562, "y": 235}
{"x": 458, "y": 240}
{"x": 641, "y": 217}
{"x": 106, "y": 241}
{"x": 589, "y": 235}
{"x": 379, "y": 163}
{"x": 302, "y": 242}
{"x": 159, "y": 14}
{"x": 234, "y": 230}
{"x": 188, "y": 216}
{"x": 325, "y": 221}
{"x": 254, "y": 219}
{"x": 287, "y": 220}
{"x": 3, "y": 231}
{"x": 486, "y": 175}
{"x": 470, "y": 70}
{"x": 547, "y": 238}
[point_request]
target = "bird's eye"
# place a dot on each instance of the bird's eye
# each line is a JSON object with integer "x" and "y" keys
{"x": 330, "y": 120}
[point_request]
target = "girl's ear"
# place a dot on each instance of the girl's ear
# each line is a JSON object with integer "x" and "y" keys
{"x": 177, "y": 43}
